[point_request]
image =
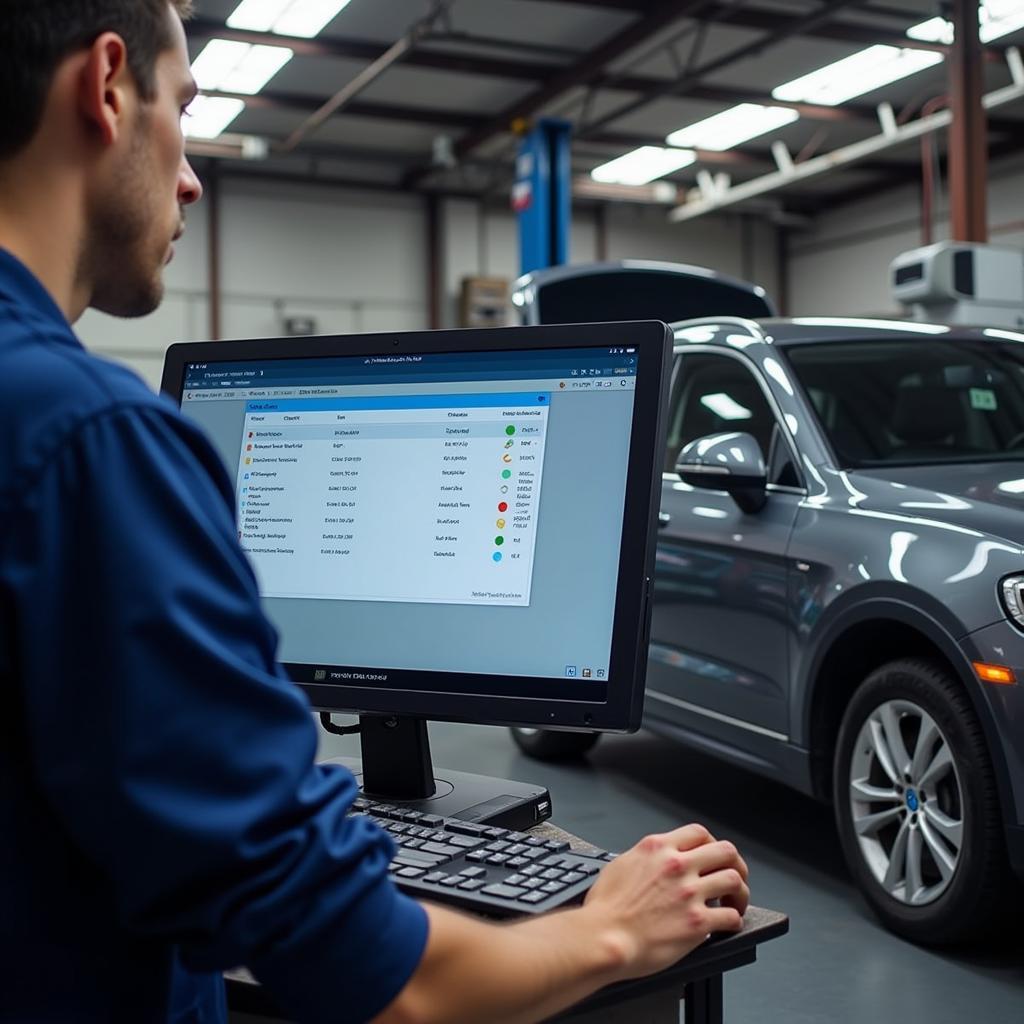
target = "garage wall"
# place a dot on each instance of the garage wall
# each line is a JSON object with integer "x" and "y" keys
{"x": 355, "y": 261}
{"x": 841, "y": 265}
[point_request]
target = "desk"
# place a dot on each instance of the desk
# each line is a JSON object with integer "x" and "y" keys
{"x": 696, "y": 981}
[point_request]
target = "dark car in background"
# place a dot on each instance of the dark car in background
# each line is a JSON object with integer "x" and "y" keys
{"x": 840, "y": 593}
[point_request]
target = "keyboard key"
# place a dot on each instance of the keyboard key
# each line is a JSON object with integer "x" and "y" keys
{"x": 417, "y": 858}
{"x": 435, "y": 876}
{"x": 515, "y": 849}
{"x": 587, "y": 867}
{"x": 515, "y": 879}
{"x": 473, "y": 872}
{"x": 516, "y": 837}
{"x": 472, "y": 884}
{"x": 466, "y": 842}
{"x": 533, "y": 897}
{"x": 411, "y": 872}
{"x": 573, "y": 876}
{"x": 442, "y": 849}
{"x": 555, "y": 846}
{"x": 551, "y": 862}
{"x": 433, "y": 820}
{"x": 411, "y": 844}
{"x": 533, "y": 841}
{"x": 497, "y": 859}
{"x": 517, "y": 862}
{"x": 477, "y": 855}
{"x": 415, "y": 830}
{"x": 397, "y": 829}
{"x": 498, "y": 847}
{"x": 467, "y": 828}
{"x": 360, "y": 804}
{"x": 451, "y": 881}
{"x": 497, "y": 833}
{"x": 531, "y": 869}
{"x": 507, "y": 892}
{"x": 412, "y": 816}
{"x": 534, "y": 852}
{"x": 553, "y": 887}
{"x": 552, "y": 873}
{"x": 534, "y": 883}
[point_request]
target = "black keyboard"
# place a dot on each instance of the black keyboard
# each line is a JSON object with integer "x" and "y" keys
{"x": 493, "y": 871}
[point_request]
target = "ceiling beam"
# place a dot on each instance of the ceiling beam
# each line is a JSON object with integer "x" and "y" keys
{"x": 689, "y": 78}
{"x": 581, "y": 73}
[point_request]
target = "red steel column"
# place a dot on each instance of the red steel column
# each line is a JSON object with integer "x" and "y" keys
{"x": 968, "y": 135}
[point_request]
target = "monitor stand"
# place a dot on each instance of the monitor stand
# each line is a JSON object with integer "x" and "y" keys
{"x": 395, "y": 768}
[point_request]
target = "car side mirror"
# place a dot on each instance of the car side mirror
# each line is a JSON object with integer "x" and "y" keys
{"x": 733, "y": 463}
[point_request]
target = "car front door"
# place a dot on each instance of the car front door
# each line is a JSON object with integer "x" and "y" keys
{"x": 718, "y": 657}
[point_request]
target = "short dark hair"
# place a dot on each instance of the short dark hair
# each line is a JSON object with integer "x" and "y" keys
{"x": 37, "y": 35}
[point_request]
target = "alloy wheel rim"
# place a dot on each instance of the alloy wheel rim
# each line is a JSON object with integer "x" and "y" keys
{"x": 906, "y": 803}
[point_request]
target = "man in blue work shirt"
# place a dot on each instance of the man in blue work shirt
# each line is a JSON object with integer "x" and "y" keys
{"x": 161, "y": 814}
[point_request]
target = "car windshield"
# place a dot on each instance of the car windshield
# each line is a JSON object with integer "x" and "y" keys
{"x": 891, "y": 402}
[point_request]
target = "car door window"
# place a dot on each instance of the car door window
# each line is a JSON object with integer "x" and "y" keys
{"x": 716, "y": 394}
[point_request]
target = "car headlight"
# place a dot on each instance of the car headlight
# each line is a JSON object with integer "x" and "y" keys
{"x": 1012, "y": 589}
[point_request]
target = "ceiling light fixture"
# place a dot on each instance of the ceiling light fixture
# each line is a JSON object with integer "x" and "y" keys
{"x": 857, "y": 74}
{"x": 997, "y": 18}
{"x": 642, "y": 165}
{"x": 302, "y": 18}
{"x": 238, "y": 67}
{"x": 733, "y": 126}
{"x": 208, "y": 116}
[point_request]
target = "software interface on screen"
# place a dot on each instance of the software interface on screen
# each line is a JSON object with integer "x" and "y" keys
{"x": 456, "y": 513}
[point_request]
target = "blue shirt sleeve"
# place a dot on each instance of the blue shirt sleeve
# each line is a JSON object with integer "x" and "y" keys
{"x": 177, "y": 757}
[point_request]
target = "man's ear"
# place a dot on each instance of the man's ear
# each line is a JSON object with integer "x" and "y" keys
{"x": 105, "y": 86}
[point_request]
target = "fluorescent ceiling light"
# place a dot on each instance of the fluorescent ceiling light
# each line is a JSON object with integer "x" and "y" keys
{"x": 733, "y": 126}
{"x": 238, "y": 67}
{"x": 997, "y": 18}
{"x": 208, "y": 116}
{"x": 303, "y": 18}
{"x": 642, "y": 165}
{"x": 857, "y": 74}
{"x": 725, "y": 407}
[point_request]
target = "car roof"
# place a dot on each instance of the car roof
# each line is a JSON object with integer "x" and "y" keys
{"x": 817, "y": 329}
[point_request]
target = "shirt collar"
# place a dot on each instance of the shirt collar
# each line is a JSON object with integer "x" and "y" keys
{"x": 23, "y": 288}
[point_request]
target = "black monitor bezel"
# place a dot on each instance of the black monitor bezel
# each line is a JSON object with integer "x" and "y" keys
{"x": 622, "y": 708}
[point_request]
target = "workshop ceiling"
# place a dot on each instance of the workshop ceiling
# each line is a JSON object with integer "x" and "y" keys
{"x": 626, "y": 72}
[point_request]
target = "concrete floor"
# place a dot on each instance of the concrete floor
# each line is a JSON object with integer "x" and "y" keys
{"x": 837, "y": 964}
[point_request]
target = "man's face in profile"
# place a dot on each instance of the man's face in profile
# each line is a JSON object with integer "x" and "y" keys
{"x": 137, "y": 201}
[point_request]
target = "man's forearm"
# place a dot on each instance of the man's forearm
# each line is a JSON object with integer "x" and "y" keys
{"x": 505, "y": 974}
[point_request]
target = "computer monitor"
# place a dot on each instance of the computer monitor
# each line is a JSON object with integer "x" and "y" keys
{"x": 447, "y": 525}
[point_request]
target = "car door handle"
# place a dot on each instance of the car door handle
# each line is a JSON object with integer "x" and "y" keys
{"x": 663, "y": 520}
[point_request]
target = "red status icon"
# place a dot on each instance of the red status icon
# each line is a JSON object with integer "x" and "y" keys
{"x": 502, "y": 506}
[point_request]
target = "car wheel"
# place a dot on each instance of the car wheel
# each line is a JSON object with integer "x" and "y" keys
{"x": 917, "y": 807}
{"x": 551, "y": 745}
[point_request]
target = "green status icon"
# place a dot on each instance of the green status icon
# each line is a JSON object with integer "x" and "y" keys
{"x": 510, "y": 430}
{"x": 499, "y": 541}
{"x": 506, "y": 473}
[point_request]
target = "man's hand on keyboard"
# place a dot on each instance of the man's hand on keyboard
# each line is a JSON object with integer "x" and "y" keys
{"x": 661, "y": 899}
{"x": 648, "y": 908}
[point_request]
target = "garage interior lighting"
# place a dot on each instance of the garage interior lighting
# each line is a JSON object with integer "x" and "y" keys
{"x": 857, "y": 74}
{"x": 303, "y": 18}
{"x": 997, "y": 18}
{"x": 208, "y": 116}
{"x": 238, "y": 67}
{"x": 642, "y": 165}
{"x": 733, "y": 126}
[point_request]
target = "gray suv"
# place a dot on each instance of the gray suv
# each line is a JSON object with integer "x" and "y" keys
{"x": 840, "y": 593}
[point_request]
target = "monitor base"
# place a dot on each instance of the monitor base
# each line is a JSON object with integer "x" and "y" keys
{"x": 476, "y": 798}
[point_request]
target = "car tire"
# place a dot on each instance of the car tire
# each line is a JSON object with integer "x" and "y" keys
{"x": 926, "y": 847}
{"x": 552, "y": 745}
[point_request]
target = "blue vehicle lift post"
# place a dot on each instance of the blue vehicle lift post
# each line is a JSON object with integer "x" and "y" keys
{"x": 542, "y": 195}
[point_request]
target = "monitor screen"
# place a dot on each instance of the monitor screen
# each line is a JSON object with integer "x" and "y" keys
{"x": 456, "y": 530}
